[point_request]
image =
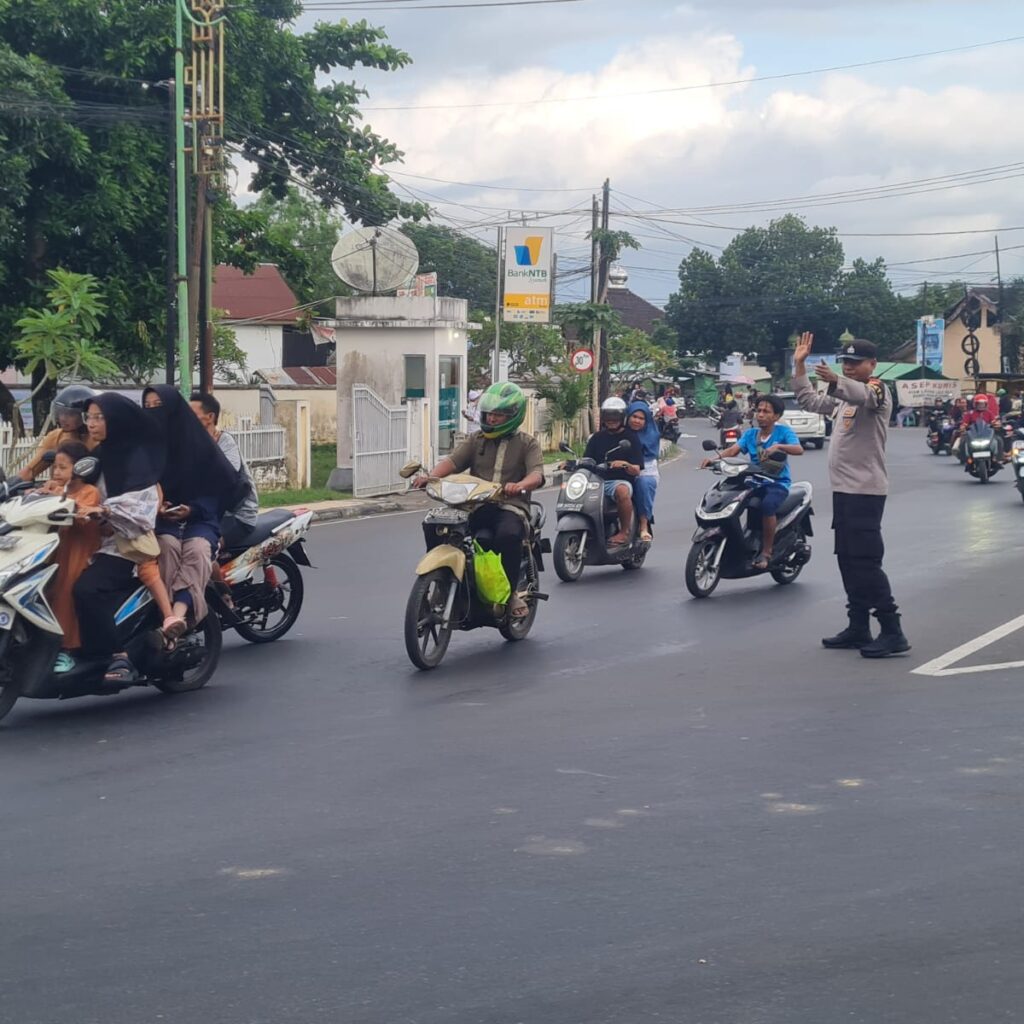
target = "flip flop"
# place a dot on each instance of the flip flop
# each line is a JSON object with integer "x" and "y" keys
{"x": 173, "y": 628}
{"x": 121, "y": 670}
{"x": 520, "y": 609}
{"x": 646, "y": 537}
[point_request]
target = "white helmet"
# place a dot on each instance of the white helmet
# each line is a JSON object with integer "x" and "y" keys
{"x": 613, "y": 408}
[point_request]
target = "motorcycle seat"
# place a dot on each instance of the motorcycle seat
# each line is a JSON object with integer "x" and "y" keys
{"x": 266, "y": 523}
{"x": 797, "y": 493}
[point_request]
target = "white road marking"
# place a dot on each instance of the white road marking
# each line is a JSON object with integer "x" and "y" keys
{"x": 940, "y": 666}
{"x": 582, "y": 771}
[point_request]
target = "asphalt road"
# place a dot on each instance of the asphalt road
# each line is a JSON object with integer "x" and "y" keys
{"x": 655, "y": 809}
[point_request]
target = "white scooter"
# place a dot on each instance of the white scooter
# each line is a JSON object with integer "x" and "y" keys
{"x": 30, "y": 635}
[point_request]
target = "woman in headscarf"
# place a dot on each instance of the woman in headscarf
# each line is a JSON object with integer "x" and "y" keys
{"x": 199, "y": 486}
{"x": 132, "y": 457}
{"x": 641, "y": 421}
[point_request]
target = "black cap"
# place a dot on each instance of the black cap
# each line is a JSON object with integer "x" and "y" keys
{"x": 856, "y": 350}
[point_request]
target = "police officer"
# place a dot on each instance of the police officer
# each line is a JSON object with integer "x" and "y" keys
{"x": 861, "y": 404}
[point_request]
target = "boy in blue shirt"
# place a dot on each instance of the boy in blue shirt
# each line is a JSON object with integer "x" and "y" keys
{"x": 760, "y": 442}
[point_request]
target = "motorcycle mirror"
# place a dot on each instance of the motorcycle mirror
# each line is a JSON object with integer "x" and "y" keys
{"x": 409, "y": 469}
{"x": 86, "y": 467}
{"x": 625, "y": 445}
{"x": 566, "y": 447}
{"x": 709, "y": 446}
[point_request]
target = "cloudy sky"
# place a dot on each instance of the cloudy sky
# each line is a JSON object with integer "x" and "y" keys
{"x": 690, "y": 165}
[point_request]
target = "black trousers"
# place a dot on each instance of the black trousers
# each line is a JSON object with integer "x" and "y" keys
{"x": 499, "y": 530}
{"x": 98, "y": 593}
{"x": 857, "y": 521}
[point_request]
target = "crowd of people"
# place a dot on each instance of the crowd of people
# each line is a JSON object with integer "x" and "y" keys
{"x": 168, "y": 487}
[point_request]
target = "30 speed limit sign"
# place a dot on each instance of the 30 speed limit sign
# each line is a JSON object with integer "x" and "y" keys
{"x": 583, "y": 360}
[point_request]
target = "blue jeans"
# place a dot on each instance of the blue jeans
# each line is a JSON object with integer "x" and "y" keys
{"x": 644, "y": 491}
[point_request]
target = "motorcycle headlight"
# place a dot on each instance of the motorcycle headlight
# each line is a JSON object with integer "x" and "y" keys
{"x": 450, "y": 493}
{"x": 576, "y": 486}
{"x": 722, "y": 513}
{"x": 980, "y": 443}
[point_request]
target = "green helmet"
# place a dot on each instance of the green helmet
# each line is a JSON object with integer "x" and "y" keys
{"x": 504, "y": 397}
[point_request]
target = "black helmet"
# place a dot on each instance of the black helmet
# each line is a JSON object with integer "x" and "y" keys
{"x": 72, "y": 399}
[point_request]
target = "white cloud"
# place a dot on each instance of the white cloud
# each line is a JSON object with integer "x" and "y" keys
{"x": 725, "y": 145}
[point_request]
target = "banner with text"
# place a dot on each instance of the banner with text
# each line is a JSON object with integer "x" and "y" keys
{"x": 930, "y": 335}
{"x": 527, "y": 284}
{"x": 913, "y": 394}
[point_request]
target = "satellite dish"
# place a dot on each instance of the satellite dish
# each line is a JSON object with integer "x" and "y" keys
{"x": 375, "y": 260}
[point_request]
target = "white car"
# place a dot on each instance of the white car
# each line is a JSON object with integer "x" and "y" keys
{"x": 809, "y": 427}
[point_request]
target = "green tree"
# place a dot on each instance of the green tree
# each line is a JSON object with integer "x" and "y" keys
{"x": 566, "y": 394}
{"x": 531, "y": 348}
{"x": 633, "y": 354}
{"x": 86, "y": 144}
{"x": 867, "y": 306}
{"x": 466, "y": 268}
{"x": 58, "y": 341}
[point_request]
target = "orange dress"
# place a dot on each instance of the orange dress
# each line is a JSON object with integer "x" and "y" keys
{"x": 78, "y": 543}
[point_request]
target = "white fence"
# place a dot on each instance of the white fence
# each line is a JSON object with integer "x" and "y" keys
{"x": 260, "y": 443}
{"x": 380, "y": 443}
{"x": 15, "y": 455}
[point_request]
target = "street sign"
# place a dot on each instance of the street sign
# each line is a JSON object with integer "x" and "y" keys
{"x": 582, "y": 360}
{"x": 527, "y": 278}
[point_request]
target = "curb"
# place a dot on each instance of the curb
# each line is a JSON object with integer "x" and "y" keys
{"x": 370, "y": 508}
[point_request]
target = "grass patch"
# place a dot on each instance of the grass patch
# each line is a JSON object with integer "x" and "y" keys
{"x": 325, "y": 460}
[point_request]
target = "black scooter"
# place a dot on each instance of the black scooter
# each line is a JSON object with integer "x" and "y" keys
{"x": 725, "y": 547}
{"x": 586, "y": 519}
{"x": 979, "y": 452}
{"x": 941, "y": 430}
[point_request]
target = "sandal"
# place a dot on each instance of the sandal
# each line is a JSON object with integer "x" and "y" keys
{"x": 518, "y": 608}
{"x": 173, "y": 628}
{"x": 121, "y": 671}
{"x": 646, "y": 536}
{"x": 762, "y": 560}
{"x": 64, "y": 663}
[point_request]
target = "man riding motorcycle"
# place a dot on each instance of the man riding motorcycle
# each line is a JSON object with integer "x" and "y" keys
{"x": 618, "y": 479}
{"x": 980, "y": 412}
{"x": 500, "y": 452}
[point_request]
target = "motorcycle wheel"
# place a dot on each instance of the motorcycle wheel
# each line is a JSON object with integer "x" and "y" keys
{"x": 787, "y": 574}
{"x": 198, "y": 677}
{"x": 426, "y": 639}
{"x": 515, "y": 630}
{"x": 983, "y": 471}
{"x": 701, "y": 578}
{"x": 566, "y": 556}
{"x": 258, "y": 630}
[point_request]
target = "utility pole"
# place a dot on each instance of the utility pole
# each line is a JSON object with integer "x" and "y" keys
{"x": 595, "y": 342}
{"x": 171, "y": 333}
{"x": 1007, "y": 362}
{"x": 184, "y": 349}
{"x": 499, "y": 281}
{"x": 604, "y": 270}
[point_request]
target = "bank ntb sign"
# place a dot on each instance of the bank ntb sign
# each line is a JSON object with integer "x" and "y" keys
{"x": 527, "y": 284}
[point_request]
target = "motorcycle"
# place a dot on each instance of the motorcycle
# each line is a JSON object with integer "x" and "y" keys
{"x": 728, "y": 436}
{"x": 30, "y": 635}
{"x": 979, "y": 452}
{"x": 586, "y": 519}
{"x": 263, "y": 576}
{"x": 726, "y": 547}
{"x": 445, "y": 597}
{"x": 940, "y": 435}
{"x": 1017, "y": 460}
{"x": 669, "y": 428}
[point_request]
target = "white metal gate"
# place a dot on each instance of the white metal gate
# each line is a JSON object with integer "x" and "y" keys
{"x": 380, "y": 444}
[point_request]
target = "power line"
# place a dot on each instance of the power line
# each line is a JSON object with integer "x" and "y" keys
{"x": 700, "y": 85}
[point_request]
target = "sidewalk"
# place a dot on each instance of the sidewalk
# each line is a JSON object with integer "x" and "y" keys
{"x": 409, "y": 501}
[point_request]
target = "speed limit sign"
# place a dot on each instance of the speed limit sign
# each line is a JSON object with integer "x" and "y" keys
{"x": 583, "y": 360}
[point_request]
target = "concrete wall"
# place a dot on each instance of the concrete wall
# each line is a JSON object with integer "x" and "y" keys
{"x": 323, "y": 406}
{"x": 374, "y": 335}
{"x": 270, "y": 474}
{"x": 263, "y": 344}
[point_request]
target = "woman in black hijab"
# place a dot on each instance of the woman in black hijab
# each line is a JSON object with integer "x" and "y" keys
{"x": 199, "y": 486}
{"x": 133, "y": 455}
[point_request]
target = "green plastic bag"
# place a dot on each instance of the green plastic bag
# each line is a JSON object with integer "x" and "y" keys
{"x": 491, "y": 582}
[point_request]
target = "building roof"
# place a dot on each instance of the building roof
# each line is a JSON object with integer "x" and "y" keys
{"x": 262, "y": 296}
{"x": 636, "y": 313}
{"x": 988, "y": 294}
{"x": 300, "y": 376}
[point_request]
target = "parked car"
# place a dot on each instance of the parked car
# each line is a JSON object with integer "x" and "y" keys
{"x": 809, "y": 427}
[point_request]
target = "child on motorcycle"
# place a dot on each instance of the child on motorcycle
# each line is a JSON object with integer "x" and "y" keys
{"x": 760, "y": 443}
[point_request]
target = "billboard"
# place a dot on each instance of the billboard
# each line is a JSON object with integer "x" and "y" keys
{"x": 930, "y": 334}
{"x": 527, "y": 280}
{"x": 915, "y": 393}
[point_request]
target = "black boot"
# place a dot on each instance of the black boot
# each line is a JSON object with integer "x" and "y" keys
{"x": 856, "y": 635}
{"x": 890, "y": 641}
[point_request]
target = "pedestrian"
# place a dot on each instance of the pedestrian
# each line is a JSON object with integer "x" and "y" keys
{"x": 471, "y": 414}
{"x": 860, "y": 483}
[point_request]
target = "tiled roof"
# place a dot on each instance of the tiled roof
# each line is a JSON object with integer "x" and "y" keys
{"x": 262, "y": 296}
{"x": 636, "y": 313}
{"x": 300, "y": 377}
